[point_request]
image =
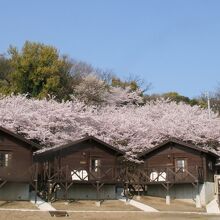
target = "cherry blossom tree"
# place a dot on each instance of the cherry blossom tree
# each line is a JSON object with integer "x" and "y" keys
{"x": 93, "y": 90}
{"x": 131, "y": 128}
{"x": 123, "y": 96}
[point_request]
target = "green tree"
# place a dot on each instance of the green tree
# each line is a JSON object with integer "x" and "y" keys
{"x": 116, "y": 82}
{"x": 40, "y": 71}
{"x": 5, "y": 69}
{"x": 174, "y": 96}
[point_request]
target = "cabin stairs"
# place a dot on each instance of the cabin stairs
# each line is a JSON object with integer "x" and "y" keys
{"x": 40, "y": 203}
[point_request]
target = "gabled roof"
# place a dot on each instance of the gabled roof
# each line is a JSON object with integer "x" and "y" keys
{"x": 176, "y": 141}
{"x": 73, "y": 143}
{"x": 21, "y": 138}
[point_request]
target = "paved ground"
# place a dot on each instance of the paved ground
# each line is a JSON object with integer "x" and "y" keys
{"x": 16, "y": 215}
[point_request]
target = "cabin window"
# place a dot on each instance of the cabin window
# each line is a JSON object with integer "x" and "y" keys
{"x": 180, "y": 165}
{"x": 4, "y": 159}
{"x": 210, "y": 165}
{"x": 95, "y": 164}
{"x": 83, "y": 159}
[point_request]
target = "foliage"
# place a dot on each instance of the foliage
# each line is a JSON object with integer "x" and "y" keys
{"x": 39, "y": 71}
{"x": 134, "y": 83}
{"x": 215, "y": 100}
{"x": 176, "y": 97}
{"x": 116, "y": 82}
{"x": 5, "y": 69}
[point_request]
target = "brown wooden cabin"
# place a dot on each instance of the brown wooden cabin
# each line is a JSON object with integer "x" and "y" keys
{"x": 181, "y": 169}
{"x": 88, "y": 161}
{"x": 16, "y": 159}
{"x": 176, "y": 161}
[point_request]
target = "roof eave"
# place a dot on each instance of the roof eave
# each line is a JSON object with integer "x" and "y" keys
{"x": 21, "y": 138}
{"x": 172, "y": 140}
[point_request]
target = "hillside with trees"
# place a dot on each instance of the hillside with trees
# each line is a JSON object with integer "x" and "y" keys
{"x": 39, "y": 71}
{"x": 53, "y": 99}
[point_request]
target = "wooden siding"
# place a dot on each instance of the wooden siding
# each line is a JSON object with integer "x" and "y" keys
{"x": 209, "y": 166}
{"x": 19, "y": 167}
{"x": 164, "y": 160}
{"x": 166, "y": 156}
{"x": 61, "y": 165}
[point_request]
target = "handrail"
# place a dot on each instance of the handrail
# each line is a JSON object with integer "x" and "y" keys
{"x": 122, "y": 173}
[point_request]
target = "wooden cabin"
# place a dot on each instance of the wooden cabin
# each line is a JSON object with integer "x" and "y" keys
{"x": 180, "y": 170}
{"x": 16, "y": 159}
{"x": 83, "y": 169}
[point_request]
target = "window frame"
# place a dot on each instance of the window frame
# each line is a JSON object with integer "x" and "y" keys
{"x": 93, "y": 166}
{"x": 181, "y": 169}
{"x": 210, "y": 165}
{"x": 5, "y": 159}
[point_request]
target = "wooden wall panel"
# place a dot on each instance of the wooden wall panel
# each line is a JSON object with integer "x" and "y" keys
{"x": 20, "y": 163}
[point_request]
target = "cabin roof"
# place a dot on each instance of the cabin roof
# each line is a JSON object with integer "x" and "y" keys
{"x": 176, "y": 141}
{"x": 73, "y": 143}
{"x": 21, "y": 138}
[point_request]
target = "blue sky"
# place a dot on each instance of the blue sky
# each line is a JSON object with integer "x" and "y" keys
{"x": 174, "y": 44}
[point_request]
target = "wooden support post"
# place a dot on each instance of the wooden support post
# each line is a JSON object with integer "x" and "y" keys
{"x": 36, "y": 189}
{"x": 218, "y": 190}
{"x": 204, "y": 168}
{"x": 126, "y": 193}
{"x": 126, "y": 190}
{"x": 97, "y": 190}
{"x": 49, "y": 190}
{"x": 44, "y": 172}
{"x": 168, "y": 195}
{"x": 66, "y": 191}
{"x": 66, "y": 183}
{"x": 49, "y": 170}
{"x": 198, "y": 201}
{"x": 36, "y": 183}
{"x": 98, "y": 202}
{"x": 138, "y": 196}
{"x": 144, "y": 189}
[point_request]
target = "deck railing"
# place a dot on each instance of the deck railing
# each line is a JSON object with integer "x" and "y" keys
{"x": 171, "y": 174}
{"x": 122, "y": 174}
